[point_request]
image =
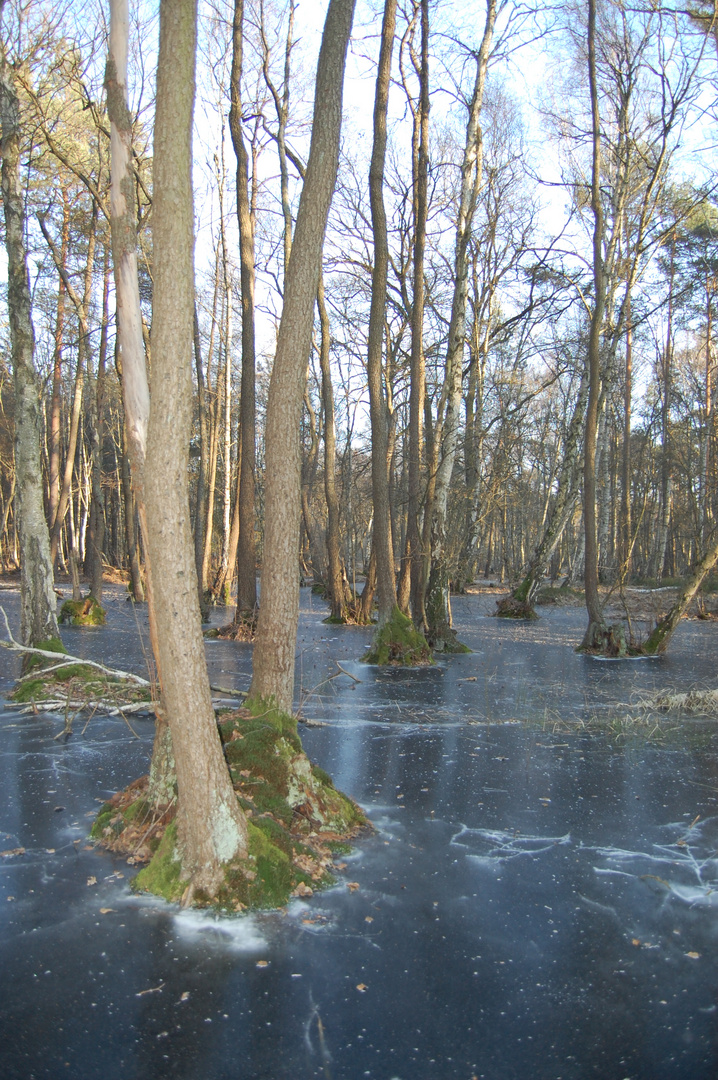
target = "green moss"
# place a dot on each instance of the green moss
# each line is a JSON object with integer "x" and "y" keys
{"x": 106, "y": 813}
{"x": 86, "y": 612}
{"x": 322, "y": 776}
{"x": 398, "y": 642}
{"x": 30, "y": 690}
{"x": 53, "y": 645}
{"x": 161, "y": 876}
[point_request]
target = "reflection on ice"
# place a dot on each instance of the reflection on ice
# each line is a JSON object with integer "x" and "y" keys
{"x": 239, "y": 935}
{"x": 497, "y": 845}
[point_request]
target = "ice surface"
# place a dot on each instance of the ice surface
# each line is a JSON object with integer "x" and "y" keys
{"x": 532, "y": 903}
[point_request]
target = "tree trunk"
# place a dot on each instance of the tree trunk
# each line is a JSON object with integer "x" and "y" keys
{"x": 212, "y": 830}
{"x": 412, "y": 567}
{"x": 382, "y": 546}
{"x": 55, "y": 409}
{"x": 658, "y": 640}
{"x": 335, "y": 582}
{"x": 273, "y": 675}
{"x": 246, "y": 555}
{"x": 593, "y": 603}
{"x": 96, "y": 538}
{"x": 439, "y": 631}
{"x": 563, "y": 507}
{"x": 37, "y": 596}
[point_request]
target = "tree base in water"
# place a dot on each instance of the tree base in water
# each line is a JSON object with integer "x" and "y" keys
{"x": 398, "y": 642}
{"x": 511, "y": 608}
{"x": 602, "y": 640}
{"x": 86, "y": 612}
{"x": 297, "y": 819}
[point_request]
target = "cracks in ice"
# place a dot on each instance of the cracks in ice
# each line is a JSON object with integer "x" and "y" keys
{"x": 490, "y": 846}
{"x": 687, "y": 867}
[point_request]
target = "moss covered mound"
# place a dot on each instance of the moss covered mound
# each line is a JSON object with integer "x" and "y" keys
{"x": 75, "y": 684}
{"x": 85, "y": 612}
{"x": 511, "y": 608}
{"x": 398, "y": 642}
{"x": 297, "y": 820}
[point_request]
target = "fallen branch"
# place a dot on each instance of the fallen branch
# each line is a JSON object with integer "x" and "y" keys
{"x": 15, "y": 646}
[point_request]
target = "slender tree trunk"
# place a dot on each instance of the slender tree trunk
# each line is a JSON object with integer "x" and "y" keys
{"x": 37, "y": 597}
{"x": 246, "y": 555}
{"x": 382, "y": 546}
{"x": 564, "y": 503}
{"x": 335, "y": 583}
{"x": 658, "y": 640}
{"x": 273, "y": 676}
{"x": 96, "y": 539}
{"x": 212, "y": 830}
{"x": 593, "y": 602}
{"x": 55, "y": 410}
{"x": 413, "y": 562}
{"x": 439, "y": 632}
{"x": 82, "y": 307}
{"x": 200, "y": 516}
{"x": 626, "y": 526}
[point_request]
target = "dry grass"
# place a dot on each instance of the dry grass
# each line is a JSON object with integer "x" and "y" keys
{"x": 704, "y": 702}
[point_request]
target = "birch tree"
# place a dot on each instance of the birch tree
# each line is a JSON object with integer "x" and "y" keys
{"x": 37, "y": 597}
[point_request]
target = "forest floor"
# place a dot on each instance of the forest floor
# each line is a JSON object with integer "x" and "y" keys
{"x": 539, "y": 896}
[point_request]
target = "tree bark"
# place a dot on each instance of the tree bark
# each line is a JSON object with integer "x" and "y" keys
{"x": 382, "y": 546}
{"x": 37, "y": 596}
{"x": 212, "y": 830}
{"x": 273, "y": 675}
{"x": 658, "y": 640}
{"x": 246, "y": 555}
{"x": 439, "y": 631}
{"x": 413, "y": 568}
{"x": 335, "y": 583}
{"x": 593, "y": 603}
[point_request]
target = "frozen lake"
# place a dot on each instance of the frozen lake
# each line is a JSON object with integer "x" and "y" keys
{"x": 535, "y": 901}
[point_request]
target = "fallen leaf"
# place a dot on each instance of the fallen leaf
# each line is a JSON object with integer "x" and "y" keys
{"x": 49, "y": 851}
{"x": 92, "y": 881}
{"x": 263, "y": 963}
{"x": 694, "y": 955}
{"x": 12, "y": 851}
{"x": 184, "y": 995}
{"x": 369, "y": 918}
{"x": 635, "y": 941}
{"x": 353, "y": 885}
{"x": 106, "y": 910}
{"x": 361, "y": 987}
{"x": 303, "y": 890}
{"x": 340, "y": 866}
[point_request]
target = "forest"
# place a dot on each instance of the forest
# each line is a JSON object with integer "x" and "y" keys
{"x": 358, "y": 471}
{"x": 486, "y": 191}
{"x": 470, "y": 336}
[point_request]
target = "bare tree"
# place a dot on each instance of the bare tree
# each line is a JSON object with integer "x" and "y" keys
{"x": 273, "y": 676}
{"x": 38, "y": 618}
{"x": 212, "y": 830}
